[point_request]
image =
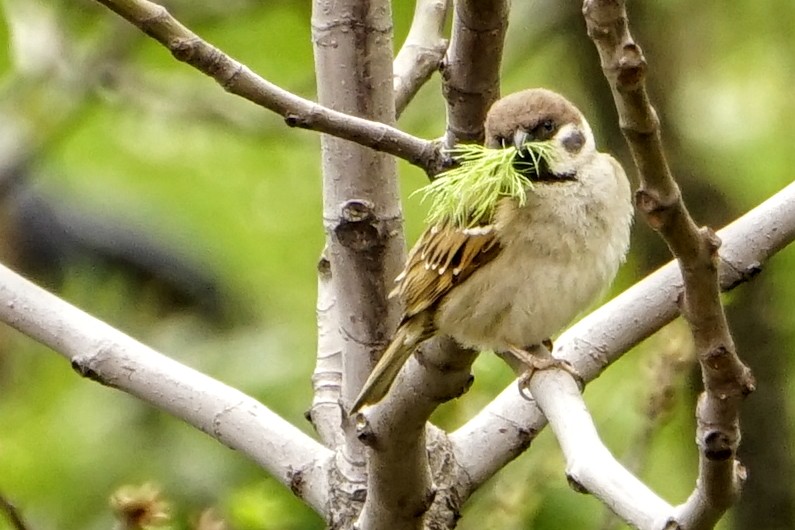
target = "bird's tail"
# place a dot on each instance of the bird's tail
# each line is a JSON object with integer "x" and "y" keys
{"x": 387, "y": 368}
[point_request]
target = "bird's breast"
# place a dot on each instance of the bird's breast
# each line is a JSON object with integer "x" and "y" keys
{"x": 556, "y": 259}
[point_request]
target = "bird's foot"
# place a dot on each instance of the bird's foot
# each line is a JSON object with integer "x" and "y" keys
{"x": 535, "y": 363}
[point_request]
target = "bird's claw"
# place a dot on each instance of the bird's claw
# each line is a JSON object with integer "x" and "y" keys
{"x": 535, "y": 364}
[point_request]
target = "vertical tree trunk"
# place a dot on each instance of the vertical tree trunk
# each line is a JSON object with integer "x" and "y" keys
{"x": 353, "y": 60}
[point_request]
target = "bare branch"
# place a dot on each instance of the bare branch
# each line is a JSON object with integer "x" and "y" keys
{"x": 397, "y": 428}
{"x": 422, "y": 53}
{"x": 101, "y": 353}
{"x": 471, "y": 72}
{"x": 326, "y": 414}
{"x": 726, "y": 379}
{"x": 590, "y": 468}
{"x": 236, "y": 78}
{"x": 507, "y": 426}
{"x": 365, "y": 237}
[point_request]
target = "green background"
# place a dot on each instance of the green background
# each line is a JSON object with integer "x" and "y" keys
{"x": 160, "y": 149}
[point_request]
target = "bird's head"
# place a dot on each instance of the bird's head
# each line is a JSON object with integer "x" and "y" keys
{"x": 541, "y": 115}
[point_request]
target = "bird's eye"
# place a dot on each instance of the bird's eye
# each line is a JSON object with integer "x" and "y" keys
{"x": 544, "y": 130}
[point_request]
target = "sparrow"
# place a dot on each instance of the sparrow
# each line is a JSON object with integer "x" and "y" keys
{"x": 519, "y": 277}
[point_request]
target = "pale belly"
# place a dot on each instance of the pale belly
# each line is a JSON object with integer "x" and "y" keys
{"x": 521, "y": 299}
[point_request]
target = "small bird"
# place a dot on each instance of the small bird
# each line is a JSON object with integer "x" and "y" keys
{"x": 517, "y": 278}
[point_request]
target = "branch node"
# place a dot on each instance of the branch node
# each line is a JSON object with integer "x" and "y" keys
{"x": 748, "y": 383}
{"x": 526, "y": 437}
{"x": 631, "y": 67}
{"x": 355, "y": 211}
{"x": 84, "y": 370}
{"x": 295, "y": 120}
{"x": 575, "y": 484}
{"x": 751, "y": 271}
{"x": 718, "y": 446}
{"x": 672, "y": 524}
{"x": 430, "y": 496}
{"x": 182, "y": 48}
{"x": 364, "y": 430}
{"x": 324, "y": 267}
{"x": 716, "y": 358}
{"x": 656, "y": 209}
{"x": 359, "y": 495}
{"x": 296, "y": 478}
{"x": 712, "y": 240}
{"x": 358, "y": 228}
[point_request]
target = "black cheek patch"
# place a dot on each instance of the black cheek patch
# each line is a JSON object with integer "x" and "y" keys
{"x": 573, "y": 142}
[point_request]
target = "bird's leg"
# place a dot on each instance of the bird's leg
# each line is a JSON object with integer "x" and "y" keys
{"x": 544, "y": 361}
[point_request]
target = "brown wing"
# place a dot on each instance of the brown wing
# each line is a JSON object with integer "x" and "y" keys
{"x": 443, "y": 257}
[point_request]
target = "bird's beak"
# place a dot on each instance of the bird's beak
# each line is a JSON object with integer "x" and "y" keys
{"x": 520, "y": 137}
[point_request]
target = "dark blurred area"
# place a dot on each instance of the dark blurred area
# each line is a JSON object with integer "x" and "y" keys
{"x": 44, "y": 241}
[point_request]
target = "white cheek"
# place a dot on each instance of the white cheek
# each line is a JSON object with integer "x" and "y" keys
{"x": 564, "y": 160}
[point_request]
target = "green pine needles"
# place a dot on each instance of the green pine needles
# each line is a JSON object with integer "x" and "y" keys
{"x": 467, "y": 194}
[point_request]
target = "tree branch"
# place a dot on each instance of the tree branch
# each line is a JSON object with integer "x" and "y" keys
{"x": 353, "y": 58}
{"x": 507, "y": 426}
{"x": 326, "y": 413}
{"x": 726, "y": 379}
{"x": 590, "y": 468}
{"x": 12, "y": 514}
{"x": 422, "y": 53}
{"x": 471, "y": 72}
{"x": 236, "y": 78}
{"x": 397, "y": 427}
{"x": 105, "y": 355}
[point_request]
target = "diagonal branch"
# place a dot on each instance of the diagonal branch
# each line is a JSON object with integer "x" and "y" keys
{"x": 105, "y": 355}
{"x": 236, "y": 78}
{"x": 590, "y": 468}
{"x": 508, "y": 425}
{"x": 726, "y": 379}
{"x": 422, "y": 53}
{"x": 12, "y": 514}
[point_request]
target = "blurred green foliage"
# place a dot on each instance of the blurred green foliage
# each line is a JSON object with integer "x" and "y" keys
{"x": 161, "y": 149}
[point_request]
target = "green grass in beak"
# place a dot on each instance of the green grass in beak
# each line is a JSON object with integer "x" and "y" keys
{"x": 466, "y": 195}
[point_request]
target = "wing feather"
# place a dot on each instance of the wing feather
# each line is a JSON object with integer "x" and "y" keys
{"x": 444, "y": 256}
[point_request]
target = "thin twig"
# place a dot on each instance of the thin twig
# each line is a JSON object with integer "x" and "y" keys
{"x": 236, "y": 78}
{"x": 12, "y": 514}
{"x": 726, "y": 379}
{"x": 422, "y": 52}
